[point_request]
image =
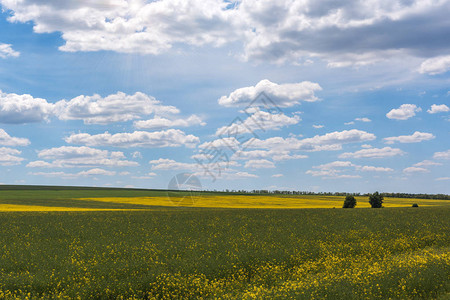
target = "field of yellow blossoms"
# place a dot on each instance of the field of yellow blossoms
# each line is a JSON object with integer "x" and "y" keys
{"x": 90, "y": 245}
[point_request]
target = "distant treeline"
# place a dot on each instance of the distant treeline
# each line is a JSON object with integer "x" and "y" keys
{"x": 393, "y": 195}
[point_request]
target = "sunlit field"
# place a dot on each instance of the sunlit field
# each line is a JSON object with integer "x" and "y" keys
{"x": 109, "y": 244}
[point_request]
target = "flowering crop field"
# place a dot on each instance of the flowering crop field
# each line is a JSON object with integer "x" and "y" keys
{"x": 75, "y": 244}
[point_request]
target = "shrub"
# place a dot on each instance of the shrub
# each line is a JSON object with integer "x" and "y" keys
{"x": 415, "y": 205}
{"x": 376, "y": 200}
{"x": 349, "y": 202}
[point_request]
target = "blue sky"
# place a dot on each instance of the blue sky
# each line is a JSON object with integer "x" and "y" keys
{"x": 131, "y": 93}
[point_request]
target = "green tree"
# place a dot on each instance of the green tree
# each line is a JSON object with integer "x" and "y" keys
{"x": 349, "y": 202}
{"x": 376, "y": 200}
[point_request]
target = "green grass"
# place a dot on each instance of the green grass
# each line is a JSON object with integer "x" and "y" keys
{"x": 179, "y": 253}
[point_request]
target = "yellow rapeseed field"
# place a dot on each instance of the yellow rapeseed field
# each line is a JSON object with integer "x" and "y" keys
{"x": 261, "y": 201}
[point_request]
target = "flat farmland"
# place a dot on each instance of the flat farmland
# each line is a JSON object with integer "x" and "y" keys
{"x": 131, "y": 244}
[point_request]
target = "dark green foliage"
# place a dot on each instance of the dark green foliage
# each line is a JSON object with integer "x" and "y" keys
{"x": 349, "y": 202}
{"x": 415, "y": 205}
{"x": 376, "y": 200}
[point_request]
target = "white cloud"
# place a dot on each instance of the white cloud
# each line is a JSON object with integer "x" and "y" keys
{"x": 427, "y": 163}
{"x": 282, "y": 95}
{"x": 282, "y": 157}
{"x": 118, "y": 107}
{"x": 363, "y": 120}
{"x": 328, "y": 142}
{"x": 349, "y": 123}
{"x": 442, "y": 155}
{"x": 94, "y": 172}
{"x": 277, "y": 175}
{"x": 438, "y": 109}
{"x": 170, "y": 164}
{"x": 416, "y": 137}
{"x": 91, "y": 172}
{"x": 18, "y": 109}
{"x": 330, "y": 173}
{"x": 228, "y": 142}
{"x": 68, "y": 157}
{"x": 259, "y": 164}
{"x": 160, "y": 123}
{"x": 341, "y": 33}
{"x": 318, "y": 126}
{"x": 260, "y": 120}
{"x": 7, "y": 140}
{"x": 404, "y": 112}
{"x": 221, "y": 169}
{"x": 9, "y": 157}
{"x": 335, "y": 169}
{"x": 7, "y": 51}
{"x": 375, "y": 169}
{"x": 373, "y": 153}
{"x": 260, "y": 154}
{"x": 156, "y": 139}
{"x": 415, "y": 170}
{"x": 334, "y": 164}
{"x": 435, "y": 65}
{"x": 95, "y": 109}
{"x": 442, "y": 178}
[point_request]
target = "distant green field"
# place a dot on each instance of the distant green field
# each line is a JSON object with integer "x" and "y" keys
{"x": 142, "y": 251}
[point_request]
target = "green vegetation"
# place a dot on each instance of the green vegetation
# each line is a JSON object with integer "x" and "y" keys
{"x": 349, "y": 202}
{"x": 193, "y": 253}
{"x": 376, "y": 200}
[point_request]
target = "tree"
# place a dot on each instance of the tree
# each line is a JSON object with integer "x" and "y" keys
{"x": 376, "y": 200}
{"x": 349, "y": 202}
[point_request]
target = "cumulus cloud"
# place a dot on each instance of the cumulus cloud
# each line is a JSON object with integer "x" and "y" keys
{"x": 373, "y": 153}
{"x": 19, "y": 109}
{"x": 363, "y": 120}
{"x": 6, "y": 50}
{"x": 416, "y": 137}
{"x": 328, "y": 142}
{"x": 97, "y": 171}
{"x": 438, "y": 109}
{"x": 260, "y": 120}
{"x": 442, "y": 155}
{"x": 318, "y": 126}
{"x": 162, "y": 123}
{"x": 9, "y": 156}
{"x": 375, "y": 169}
{"x": 336, "y": 169}
{"x": 404, "y": 112}
{"x": 91, "y": 172}
{"x": 282, "y": 95}
{"x": 259, "y": 164}
{"x": 221, "y": 169}
{"x": 341, "y": 33}
{"x": 427, "y": 163}
{"x": 65, "y": 156}
{"x": 435, "y": 65}
{"x": 261, "y": 154}
{"x": 118, "y": 107}
{"x": 227, "y": 142}
{"x": 7, "y": 140}
{"x": 277, "y": 175}
{"x": 156, "y": 139}
{"x": 410, "y": 170}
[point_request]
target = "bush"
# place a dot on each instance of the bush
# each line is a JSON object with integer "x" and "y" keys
{"x": 415, "y": 205}
{"x": 376, "y": 200}
{"x": 349, "y": 202}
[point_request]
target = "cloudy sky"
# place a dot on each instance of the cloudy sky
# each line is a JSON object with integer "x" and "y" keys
{"x": 290, "y": 94}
